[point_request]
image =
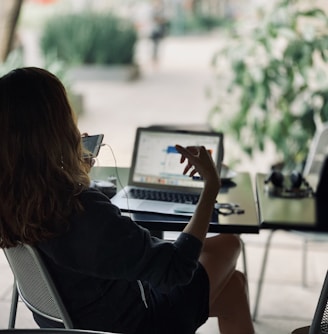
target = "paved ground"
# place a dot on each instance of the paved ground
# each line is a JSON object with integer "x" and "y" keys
{"x": 174, "y": 92}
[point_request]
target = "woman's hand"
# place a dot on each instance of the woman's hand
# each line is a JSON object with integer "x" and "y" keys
{"x": 89, "y": 162}
{"x": 88, "y": 158}
{"x": 199, "y": 160}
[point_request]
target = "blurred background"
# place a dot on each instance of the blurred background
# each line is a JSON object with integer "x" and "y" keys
{"x": 254, "y": 70}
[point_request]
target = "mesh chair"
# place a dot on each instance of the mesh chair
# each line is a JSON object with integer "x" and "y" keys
{"x": 317, "y": 153}
{"x": 320, "y": 319}
{"x": 47, "y": 331}
{"x": 313, "y": 166}
{"x": 35, "y": 286}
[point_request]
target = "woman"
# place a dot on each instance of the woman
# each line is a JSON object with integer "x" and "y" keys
{"x": 111, "y": 273}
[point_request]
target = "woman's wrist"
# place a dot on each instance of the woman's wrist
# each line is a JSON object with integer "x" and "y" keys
{"x": 212, "y": 187}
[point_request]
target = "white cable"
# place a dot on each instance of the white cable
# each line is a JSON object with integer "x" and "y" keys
{"x": 118, "y": 177}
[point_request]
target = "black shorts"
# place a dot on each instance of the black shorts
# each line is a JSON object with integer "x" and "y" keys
{"x": 184, "y": 309}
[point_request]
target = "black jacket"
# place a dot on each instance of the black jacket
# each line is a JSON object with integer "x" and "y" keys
{"x": 105, "y": 266}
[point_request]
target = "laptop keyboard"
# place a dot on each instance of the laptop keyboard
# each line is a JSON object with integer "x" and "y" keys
{"x": 160, "y": 195}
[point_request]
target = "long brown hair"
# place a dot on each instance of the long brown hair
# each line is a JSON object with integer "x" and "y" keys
{"x": 41, "y": 166}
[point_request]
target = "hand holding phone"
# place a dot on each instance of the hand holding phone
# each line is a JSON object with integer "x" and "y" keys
{"x": 91, "y": 145}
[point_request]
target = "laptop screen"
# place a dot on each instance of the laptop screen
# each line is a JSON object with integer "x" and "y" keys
{"x": 156, "y": 162}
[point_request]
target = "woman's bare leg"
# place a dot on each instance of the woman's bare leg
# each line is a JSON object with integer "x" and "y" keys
{"x": 228, "y": 287}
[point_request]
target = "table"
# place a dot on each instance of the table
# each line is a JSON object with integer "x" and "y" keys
{"x": 303, "y": 214}
{"x": 238, "y": 191}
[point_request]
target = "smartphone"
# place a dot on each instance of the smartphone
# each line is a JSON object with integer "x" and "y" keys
{"x": 92, "y": 145}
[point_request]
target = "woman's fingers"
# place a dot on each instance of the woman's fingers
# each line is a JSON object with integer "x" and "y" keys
{"x": 196, "y": 157}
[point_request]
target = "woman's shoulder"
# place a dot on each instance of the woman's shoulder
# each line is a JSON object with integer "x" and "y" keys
{"x": 93, "y": 199}
{"x": 93, "y": 194}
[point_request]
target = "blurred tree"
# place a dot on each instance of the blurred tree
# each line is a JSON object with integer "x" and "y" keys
{"x": 9, "y": 15}
{"x": 278, "y": 84}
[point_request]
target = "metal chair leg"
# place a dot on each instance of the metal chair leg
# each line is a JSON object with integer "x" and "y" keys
{"x": 261, "y": 278}
{"x": 304, "y": 263}
{"x": 243, "y": 249}
{"x": 13, "y": 307}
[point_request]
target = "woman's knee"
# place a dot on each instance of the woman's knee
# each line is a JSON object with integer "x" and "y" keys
{"x": 233, "y": 240}
{"x": 224, "y": 242}
{"x": 220, "y": 254}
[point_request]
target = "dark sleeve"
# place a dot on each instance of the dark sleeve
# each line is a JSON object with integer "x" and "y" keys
{"x": 105, "y": 244}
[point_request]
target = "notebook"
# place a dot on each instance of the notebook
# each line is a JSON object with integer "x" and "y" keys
{"x": 156, "y": 181}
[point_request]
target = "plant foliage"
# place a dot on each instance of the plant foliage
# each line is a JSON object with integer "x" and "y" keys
{"x": 90, "y": 38}
{"x": 279, "y": 78}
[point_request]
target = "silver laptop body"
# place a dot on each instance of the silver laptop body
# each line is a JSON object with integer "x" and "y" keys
{"x": 156, "y": 169}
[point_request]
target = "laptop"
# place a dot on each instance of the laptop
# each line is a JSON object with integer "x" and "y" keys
{"x": 156, "y": 182}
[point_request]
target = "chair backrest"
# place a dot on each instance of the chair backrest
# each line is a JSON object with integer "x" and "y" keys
{"x": 35, "y": 285}
{"x": 320, "y": 320}
{"x": 317, "y": 152}
{"x": 47, "y": 331}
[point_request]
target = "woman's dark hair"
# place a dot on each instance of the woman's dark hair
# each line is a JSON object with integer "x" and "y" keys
{"x": 42, "y": 171}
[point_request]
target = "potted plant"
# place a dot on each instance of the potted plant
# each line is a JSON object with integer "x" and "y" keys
{"x": 278, "y": 81}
